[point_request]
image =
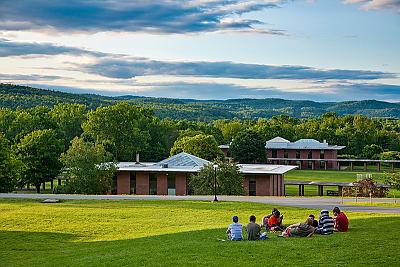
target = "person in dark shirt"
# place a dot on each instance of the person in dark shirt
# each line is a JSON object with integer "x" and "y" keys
{"x": 300, "y": 229}
{"x": 314, "y": 221}
{"x": 253, "y": 229}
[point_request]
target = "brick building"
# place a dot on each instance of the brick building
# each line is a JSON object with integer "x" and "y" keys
{"x": 304, "y": 153}
{"x": 170, "y": 177}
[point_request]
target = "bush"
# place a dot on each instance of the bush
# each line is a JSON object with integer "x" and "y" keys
{"x": 393, "y": 179}
{"x": 364, "y": 187}
{"x": 86, "y": 168}
{"x": 229, "y": 180}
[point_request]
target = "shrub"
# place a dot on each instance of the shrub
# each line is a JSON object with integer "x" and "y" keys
{"x": 364, "y": 187}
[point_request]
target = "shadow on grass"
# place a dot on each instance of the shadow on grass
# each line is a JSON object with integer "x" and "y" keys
{"x": 369, "y": 241}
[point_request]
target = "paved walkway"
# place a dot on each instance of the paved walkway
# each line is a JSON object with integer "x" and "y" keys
{"x": 301, "y": 202}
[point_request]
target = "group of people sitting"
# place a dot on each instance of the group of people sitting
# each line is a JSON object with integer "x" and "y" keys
{"x": 273, "y": 222}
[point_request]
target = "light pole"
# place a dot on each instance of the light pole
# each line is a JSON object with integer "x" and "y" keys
{"x": 215, "y": 183}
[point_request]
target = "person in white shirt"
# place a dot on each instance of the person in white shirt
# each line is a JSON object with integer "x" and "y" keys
{"x": 235, "y": 230}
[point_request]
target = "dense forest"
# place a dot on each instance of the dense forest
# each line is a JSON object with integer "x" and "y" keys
{"x": 44, "y": 133}
{"x": 13, "y": 96}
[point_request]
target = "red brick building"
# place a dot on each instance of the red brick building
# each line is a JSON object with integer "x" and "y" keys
{"x": 305, "y": 153}
{"x": 170, "y": 177}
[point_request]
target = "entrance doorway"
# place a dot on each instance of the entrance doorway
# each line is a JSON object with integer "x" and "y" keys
{"x": 252, "y": 186}
{"x": 171, "y": 185}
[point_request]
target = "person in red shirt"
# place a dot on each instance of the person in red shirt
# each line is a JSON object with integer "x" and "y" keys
{"x": 341, "y": 221}
{"x": 275, "y": 221}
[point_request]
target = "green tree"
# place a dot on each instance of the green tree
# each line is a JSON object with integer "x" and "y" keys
{"x": 68, "y": 118}
{"x": 9, "y": 167}
{"x": 201, "y": 145}
{"x": 393, "y": 179}
{"x": 248, "y": 147}
{"x": 39, "y": 152}
{"x": 87, "y": 167}
{"x": 371, "y": 151}
{"x": 228, "y": 177}
{"x": 229, "y": 129}
{"x": 390, "y": 155}
{"x": 122, "y": 127}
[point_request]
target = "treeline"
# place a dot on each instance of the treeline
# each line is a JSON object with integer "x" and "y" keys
{"x": 39, "y": 143}
{"x": 13, "y": 96}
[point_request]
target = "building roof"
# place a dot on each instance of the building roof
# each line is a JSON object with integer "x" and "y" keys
{"x": 278, "y": 140}
{"x": 184, "y": 162}
{"x": 183, "y": 159}
{"x": 265, "y": 168}
{"x": 281, "y": 143}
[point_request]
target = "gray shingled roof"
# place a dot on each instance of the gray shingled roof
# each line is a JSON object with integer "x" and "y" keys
{"x": 281, "y": 143}
{"x": 184, "y": 162}
{"x": 183, "y": 159}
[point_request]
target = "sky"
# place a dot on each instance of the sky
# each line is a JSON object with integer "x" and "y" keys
{"x": 320, "y": 50}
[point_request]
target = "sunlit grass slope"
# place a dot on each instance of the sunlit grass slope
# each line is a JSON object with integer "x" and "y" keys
{"x": 137, "y": 233}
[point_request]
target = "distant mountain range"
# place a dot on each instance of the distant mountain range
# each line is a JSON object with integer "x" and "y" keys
{"x": 13, "y": 96}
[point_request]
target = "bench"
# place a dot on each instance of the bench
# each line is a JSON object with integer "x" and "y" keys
{"x": 332, "y": 193}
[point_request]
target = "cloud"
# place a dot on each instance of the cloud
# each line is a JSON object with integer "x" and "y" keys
{"x": 129, "y": 67}
{"x": 11, "y": 48}
{"x": 126, "y": 67}
{"x": 163, "y": 16}
{"x": 376, "y": 4}
{"x": 28, "y": 77}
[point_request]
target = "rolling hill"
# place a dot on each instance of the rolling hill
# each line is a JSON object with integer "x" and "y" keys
{"x": 13, "y": 96}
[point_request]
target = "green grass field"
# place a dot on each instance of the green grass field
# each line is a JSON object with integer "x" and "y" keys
{"x": 328, "y": 176}
{"x": 136, "y": 233}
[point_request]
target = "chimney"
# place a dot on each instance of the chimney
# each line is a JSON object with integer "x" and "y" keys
{"x": 137, "y": 157}
{"x": 324, "y": 141}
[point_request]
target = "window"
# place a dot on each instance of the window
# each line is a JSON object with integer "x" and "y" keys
{"x": 153, "y": 183}
{"x": 322, "y": 164}
{"x": 285, "y": 154}
{"x": 171, "y": 184}
{"x": 322, "y": 154}
{"x": 310, "y": 164}
{"x": 309, "y": 154}
{"x": 113, "y": 185}
{"x": 133, "y": 183}
{"x": 252, "y": 186}
{"x": 297, "y": 154}
{"x": 274, "y": 153}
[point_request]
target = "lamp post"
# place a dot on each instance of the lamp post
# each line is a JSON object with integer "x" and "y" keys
{"x": 215, "y": 183}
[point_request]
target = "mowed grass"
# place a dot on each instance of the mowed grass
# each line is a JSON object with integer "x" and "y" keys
{"x": 179, "y": 233}
{"x": 375, "y": 204}
{"x": 329, "y": 176}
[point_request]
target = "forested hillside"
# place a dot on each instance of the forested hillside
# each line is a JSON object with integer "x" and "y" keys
{"x": 13, "y": 96}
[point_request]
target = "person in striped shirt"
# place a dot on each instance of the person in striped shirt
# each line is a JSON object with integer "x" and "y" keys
{"x": 235, "y": 229}
{"x": 325, "y": 223}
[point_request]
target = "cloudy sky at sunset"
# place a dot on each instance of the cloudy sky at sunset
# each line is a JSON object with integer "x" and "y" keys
{"x": 321, "y": 50}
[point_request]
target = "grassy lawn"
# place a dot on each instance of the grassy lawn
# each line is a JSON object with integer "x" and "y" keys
{"x": 92, "y": 233}
{"x": 375, "y": 204}
{"x": 328, "y": 176}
